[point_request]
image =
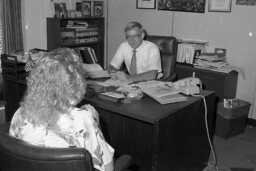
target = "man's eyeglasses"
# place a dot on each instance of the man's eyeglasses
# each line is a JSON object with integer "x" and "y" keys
{"x": 132, "y": 37}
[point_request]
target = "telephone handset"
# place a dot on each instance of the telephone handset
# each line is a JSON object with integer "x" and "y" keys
{"x": 188, "y": 86}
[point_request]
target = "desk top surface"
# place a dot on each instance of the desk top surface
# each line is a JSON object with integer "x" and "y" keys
{"x": 146, "y": 109}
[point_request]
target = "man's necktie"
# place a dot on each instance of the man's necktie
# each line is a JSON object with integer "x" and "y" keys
{"x": 133, "y": 68}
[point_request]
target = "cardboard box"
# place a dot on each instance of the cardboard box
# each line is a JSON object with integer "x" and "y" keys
{"x": 231, "y": 121}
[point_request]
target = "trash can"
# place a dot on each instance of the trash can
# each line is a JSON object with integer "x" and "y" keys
{"x": 231, "y": 121}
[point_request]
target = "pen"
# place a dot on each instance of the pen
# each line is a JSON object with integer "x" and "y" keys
{"x": 168, "y": 86}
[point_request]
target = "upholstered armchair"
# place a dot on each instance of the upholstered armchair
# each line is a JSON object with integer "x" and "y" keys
{"x": 168, "y": 49}
{"x": 17, "y": 155}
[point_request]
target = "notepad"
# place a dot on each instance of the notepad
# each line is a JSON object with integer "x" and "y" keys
{"x": 111, "y": 96}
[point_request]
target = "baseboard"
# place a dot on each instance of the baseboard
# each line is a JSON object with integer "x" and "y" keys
{"x": 251, "y": 122}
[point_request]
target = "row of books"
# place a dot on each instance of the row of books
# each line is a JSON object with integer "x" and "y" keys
{"x": 77, "y": 24}
{"x": 86, "y": 39}
{"x": 79, "y": 35}
{"x": 188, "y": 50}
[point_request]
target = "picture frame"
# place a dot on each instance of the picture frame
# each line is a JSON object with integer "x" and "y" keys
{"x": 219, "y": 6}
{"x": 86, "y": 8}
{"x": 146, "y": 4}
{"x": 197, "y": 6}
{"x": 244, "y": 2}
{"x": 98, "y": 7}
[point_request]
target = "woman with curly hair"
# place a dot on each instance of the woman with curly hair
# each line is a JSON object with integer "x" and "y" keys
{"x": 48, "y": 116}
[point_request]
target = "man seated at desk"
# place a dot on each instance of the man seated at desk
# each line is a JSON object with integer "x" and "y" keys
{"x": 141, "y": 57}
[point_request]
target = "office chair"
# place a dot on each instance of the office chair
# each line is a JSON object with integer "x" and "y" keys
{"x": 17, "y": 155}
{"x": 168, "y": 50}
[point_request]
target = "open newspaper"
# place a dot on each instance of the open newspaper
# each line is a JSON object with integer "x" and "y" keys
{"x": 163, "y": 92}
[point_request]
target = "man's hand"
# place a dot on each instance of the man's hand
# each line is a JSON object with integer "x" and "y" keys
{"x": 120, "y": 75}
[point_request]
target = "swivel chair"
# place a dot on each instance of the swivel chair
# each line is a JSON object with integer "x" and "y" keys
{"x": 168, "y": 50}
{"x": 17, "y": 155}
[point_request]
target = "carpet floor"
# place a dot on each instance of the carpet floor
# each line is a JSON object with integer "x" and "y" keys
{"x": 237, "y": 153}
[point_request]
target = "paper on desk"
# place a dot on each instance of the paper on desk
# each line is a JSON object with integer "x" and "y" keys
{"x": 98, "y": 74}
{"x": 229, "y": 68}
{"x": 95, "y": 71}
{"x": 117, "y": 82}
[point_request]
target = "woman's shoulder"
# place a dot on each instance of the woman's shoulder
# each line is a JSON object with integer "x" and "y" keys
{"x": 85, "y": 113}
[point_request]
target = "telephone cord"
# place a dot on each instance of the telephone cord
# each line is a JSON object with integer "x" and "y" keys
{"x": 207, "y": 131}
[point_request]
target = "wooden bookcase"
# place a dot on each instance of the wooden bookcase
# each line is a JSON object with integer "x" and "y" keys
{"x": 77, "y": 32}
{"x": 224, "y": 84}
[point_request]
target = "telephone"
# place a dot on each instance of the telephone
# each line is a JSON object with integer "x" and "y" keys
{"x": 188, "y": 86}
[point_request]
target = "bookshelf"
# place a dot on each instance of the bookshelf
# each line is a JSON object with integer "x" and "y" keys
{"x": 77, "y": 32}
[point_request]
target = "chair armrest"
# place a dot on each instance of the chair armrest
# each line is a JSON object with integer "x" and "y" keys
{"x": 123, "y": 162}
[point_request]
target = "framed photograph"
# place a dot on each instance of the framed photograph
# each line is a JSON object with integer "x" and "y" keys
{"x": 197, "y": 6}
{"x": 219, "y": 5}
{"x": 246, "y": 2}
{"x": 146, "y": 4}
{"x": 86, "y": 8}
{"x": 98, "y": 8}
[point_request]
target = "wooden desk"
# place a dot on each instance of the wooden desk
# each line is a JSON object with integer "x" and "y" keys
{"x": 158, "y": 137}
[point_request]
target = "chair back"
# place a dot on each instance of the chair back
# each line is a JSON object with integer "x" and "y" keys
{"x": 168, "y": 51}
{"x": 17, "y": 155}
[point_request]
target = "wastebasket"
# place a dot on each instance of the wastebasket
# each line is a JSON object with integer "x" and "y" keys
{"x": 231, "y": 121}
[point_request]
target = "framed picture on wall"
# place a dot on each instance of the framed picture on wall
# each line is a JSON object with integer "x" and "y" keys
{"x": 244, "y": 2}
{"x": 219, "y": 5}
{"x": 182, "y": 5}
{"x": 146, "y": 4}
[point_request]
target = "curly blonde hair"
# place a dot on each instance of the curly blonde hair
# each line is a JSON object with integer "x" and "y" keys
{"x": 54, "y": 86}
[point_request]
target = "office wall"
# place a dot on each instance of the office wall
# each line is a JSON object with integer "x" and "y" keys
{"x": 235, "y": 31}
{"x": 34, "y": 23}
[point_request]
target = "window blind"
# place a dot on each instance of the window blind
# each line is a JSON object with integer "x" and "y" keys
{"x": 1, "y": 30}
{"x": 1, "y": 26}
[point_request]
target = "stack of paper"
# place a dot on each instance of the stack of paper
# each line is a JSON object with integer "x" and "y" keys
{"x": 210, "y": 61}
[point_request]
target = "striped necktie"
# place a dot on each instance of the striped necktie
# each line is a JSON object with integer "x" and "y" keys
{"x": 133, "y": 68}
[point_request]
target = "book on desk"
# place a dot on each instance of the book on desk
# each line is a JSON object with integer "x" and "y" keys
{"x": 164, "y": 95}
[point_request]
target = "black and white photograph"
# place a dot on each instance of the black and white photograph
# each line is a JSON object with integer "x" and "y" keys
{"x": 246, "y": 2}
{"x": 219, "y": 5}
{"x": 128, "y": 85}
{"x": 145, "y": 4}
{"x": 86, "y": 8}
{"x": 98, "y": 7}
{"x": 182, "y": 5}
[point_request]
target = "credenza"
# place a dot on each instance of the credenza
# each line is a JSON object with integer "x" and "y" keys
{"x": 224, "y": 84}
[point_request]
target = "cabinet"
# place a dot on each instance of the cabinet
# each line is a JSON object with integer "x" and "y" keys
{"x": 14, "y": 82}
{"x": 224, "y": 84}
{"x": 77, "y": 32}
